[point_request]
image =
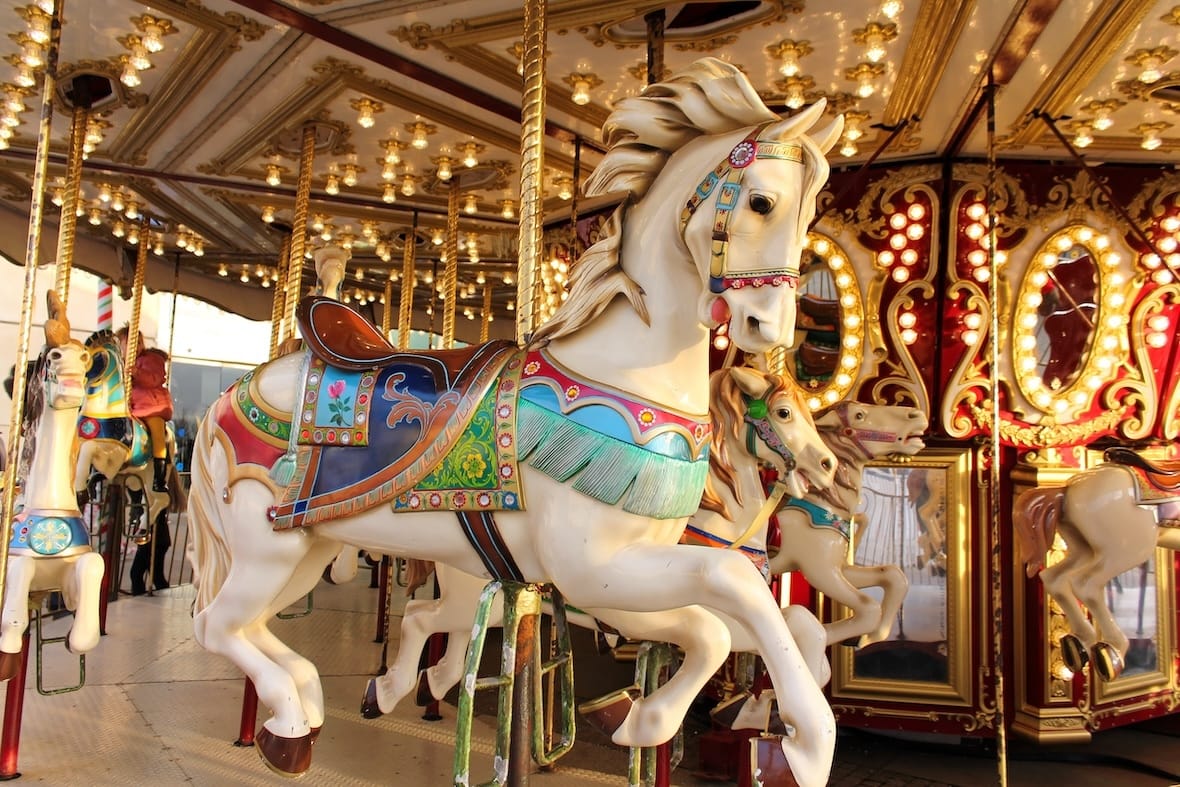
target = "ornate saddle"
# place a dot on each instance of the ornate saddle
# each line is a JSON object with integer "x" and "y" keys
{"x": 1155, "y": 482}
{"x": 341, "y": 337}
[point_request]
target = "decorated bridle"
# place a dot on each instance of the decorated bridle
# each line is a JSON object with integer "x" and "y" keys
{"x": 729, "y": 174}
{"x": 862, "y": 436}
{"x": 758, "y": 423}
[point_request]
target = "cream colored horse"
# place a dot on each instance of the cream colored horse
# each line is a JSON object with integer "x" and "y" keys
{"x": 815, "y": 532}
{"x": 1108, "y": 528}
{"x": 735, "y": 498}
{"x": 636, "y": 322}
{"x": 50, "y": 545}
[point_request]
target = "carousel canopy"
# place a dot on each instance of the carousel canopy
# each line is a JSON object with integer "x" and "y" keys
{"x": 192, "y": 114}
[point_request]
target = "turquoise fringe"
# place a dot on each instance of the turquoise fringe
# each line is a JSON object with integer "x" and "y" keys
{"x": 654, "y": 485}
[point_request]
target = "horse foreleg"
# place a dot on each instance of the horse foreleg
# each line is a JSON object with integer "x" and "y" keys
{"x": 344, "y": 565}
{"x": 893, "y": 584}
{"x": 304, "y": 673}
{"x": 82, "y": 592}
{"x": 1060, "y": 581}
{"x": 831, "y": 580}
{"x": 812, "y": 638}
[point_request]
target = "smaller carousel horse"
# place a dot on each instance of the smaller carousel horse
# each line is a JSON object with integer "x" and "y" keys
{"x": 50, "y": 544}
{"x": 111, "y": 442}
{"x": 816, "y": 528}
{"x": 1112, "y": 518}
{"x": 757, "y": 418}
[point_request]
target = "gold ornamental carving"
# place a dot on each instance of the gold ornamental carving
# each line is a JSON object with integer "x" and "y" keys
{"x": 1048, "y": 433}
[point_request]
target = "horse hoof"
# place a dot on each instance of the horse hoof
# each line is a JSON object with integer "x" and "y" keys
{"x": 606, "y": 714}
{"x": 370, "y": 708}
{"x": 314, "y": 734}
{"x": 284, "y": 756}
{"x": 1073, "y": 653}
{"x": 9, "y": 665}
{"x": 851, "y": 642}
{"x": 423, "y": 695}
{"x": 1107, "y": 661}
{"x": 768, "y": 763}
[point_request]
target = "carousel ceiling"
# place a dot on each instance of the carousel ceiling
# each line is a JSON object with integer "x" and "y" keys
{"x": 196, "y": 109}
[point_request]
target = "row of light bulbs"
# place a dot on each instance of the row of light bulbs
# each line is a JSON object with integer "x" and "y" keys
{"x": 146, "y": 41}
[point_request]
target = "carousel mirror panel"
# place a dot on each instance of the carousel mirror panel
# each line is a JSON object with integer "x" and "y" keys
{"x": 1136, "y": 599}
{"x": 826, "y": 356}
{"x": 915, "y": 515}
{"x": 1068, "y": 321}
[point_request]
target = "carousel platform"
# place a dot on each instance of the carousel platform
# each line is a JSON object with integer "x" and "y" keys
{"x": 157, "y": 709}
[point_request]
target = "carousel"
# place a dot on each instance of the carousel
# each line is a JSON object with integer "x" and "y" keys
{"x": 719, "y": 381}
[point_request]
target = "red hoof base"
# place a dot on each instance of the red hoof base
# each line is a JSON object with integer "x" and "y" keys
{"x": 284, "y": 756}
{"x": 9, "y": 665}
{"x": 768, "y": 764}
{"x": 606, "y": 714}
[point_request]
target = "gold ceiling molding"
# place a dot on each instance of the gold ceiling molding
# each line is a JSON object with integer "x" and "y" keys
{"x": 124, "y": 96}
{"x": 938, "y": 27}
{"x": 1096, "y": 44}
{"x": 509, "y": 24}
{"x": 600, "y": 33}
{"x": 175, "y": 210}
{"x": 1048, "y": 433}
{"x": 703, "y": 45}
{"x": 1172, "y": 17}
{"x": 217, "y": 36}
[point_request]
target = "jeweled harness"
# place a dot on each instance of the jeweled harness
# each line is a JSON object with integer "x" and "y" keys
{"x": 728, "y": 174}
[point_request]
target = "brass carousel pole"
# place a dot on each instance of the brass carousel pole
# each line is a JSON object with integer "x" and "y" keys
{"x": 532, "y": 167}
{"x": 405, "y": 314}
{"x": 20, "y": 382}
{"x": 485, "y": 327}
{"x": 132, "y": 349}
{"x": 450, "y": 281}
{"x": 386, "y": 311}
{"x": 299, "y": 229}
{"x": 279, "y": 302}
{"x": 69, "y": 206}
{"x": 995, "y": 476}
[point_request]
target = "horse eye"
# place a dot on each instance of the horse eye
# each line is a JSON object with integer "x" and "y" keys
{"x": 860, "y": 416}
{"x": 761, "y": 204}
{"x": 783, "y": 413}
{"x": 55, "y": 355}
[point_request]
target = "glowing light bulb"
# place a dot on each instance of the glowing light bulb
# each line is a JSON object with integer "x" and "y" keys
{"x": 848, "y": 148}
{"x": 419, "y": 141}
{"x": 268, "y": 213}
{"x": 508, "y": 209}
{"x": 139, "y": 57}
{"x": 153, "y": 37}
{"x": 444, "y": 169}
{"x": 333, "y": 185}
{"x": 1082, "y": 138}
{"x": 1151, "y": 70}
{"x": 470, "y": 151}
{"x": 388, "y": 193}
{"x": 875, "y": 47}
{"x": 436, "y": 236}
{"x": 273, "y": 175}
{"x": 1102, "y": 119}
{"x": 470, "y": 204}
{"x": 408, "y": 185}
{"x": 1151, "y": 139}
{"x": 581, "y": 92}
{"x": 350, "y": 175}
{"x": 129, "y": 75}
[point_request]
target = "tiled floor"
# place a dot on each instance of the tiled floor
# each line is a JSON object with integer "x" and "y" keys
{"x": 159, "y": 710}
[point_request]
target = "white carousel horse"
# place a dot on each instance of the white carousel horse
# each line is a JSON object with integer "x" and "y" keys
{"x": 1111, "y": 517}
{"x": 610, "y": 400}
{"x": 732, "y": 515}
{"x": 50, "y": 544}
{"x": 111, "y": 442}
{"x": 816, "y": 529}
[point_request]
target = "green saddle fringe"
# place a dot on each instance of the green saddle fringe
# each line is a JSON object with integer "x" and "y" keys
{"x": 655, "y": 485}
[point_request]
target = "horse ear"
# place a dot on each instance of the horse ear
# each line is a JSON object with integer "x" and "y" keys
{"x": 752, "y": 382}
{"x": 827, "y": 138}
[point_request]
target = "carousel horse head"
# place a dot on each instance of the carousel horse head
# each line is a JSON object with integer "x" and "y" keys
{"x": 66, "y": 360}
{"x": 860, "y": 432}
{"x": 105, "y": 390}
{"x": 330, "y": 262}
{"x": 769, "y": 416}
{"x": 743, "y": 221}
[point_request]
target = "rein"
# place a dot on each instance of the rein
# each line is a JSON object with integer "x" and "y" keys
{"x": 755, "y": 417}
{"x": 862, "y": 436}
{"x": 729, "y": 174}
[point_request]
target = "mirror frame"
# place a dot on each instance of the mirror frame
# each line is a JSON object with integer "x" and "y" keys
{"x": 961, "y": 641}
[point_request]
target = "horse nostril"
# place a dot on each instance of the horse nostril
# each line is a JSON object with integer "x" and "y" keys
{"x": 753, "y": 324}
{"x": 826, "y": 465}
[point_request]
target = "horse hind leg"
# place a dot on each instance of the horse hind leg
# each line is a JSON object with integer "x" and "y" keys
{"x": 1060, "y": 580}
{"x": 82, "y": 592}
{"x": 832, "y": 581}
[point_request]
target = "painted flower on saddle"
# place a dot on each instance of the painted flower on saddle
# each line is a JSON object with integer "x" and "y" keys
{"x": 339, "y": 405}
{"x": 474, "y": 465}
{"x": 572, "y": 393}
{"x": 647, "y": 417}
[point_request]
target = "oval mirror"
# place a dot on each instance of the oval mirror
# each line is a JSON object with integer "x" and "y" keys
{"x": 829, "y": 335}
{"x": 1066, "y": 321}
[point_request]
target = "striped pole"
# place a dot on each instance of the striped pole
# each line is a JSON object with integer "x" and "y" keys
{"x": 106, "y": 313}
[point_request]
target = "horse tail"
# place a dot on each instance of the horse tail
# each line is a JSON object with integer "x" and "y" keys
{"x": 209, "y": 553}
{"x": 1036, "y": 514}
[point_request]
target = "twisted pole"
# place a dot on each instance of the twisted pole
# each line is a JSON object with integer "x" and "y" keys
{"x": 532, "y": 168}
{"x": 299, "y": 228}
{"x": 69, "y": 207}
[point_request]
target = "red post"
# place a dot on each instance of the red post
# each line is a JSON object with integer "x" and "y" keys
{"x": 14, "y": 705}
{"x": 382, "y": 594}
{"x": 664, "y": 765}
{"x": 249, "y": 715}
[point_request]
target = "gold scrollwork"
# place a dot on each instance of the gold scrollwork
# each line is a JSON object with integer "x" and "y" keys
{"x": 909, "y": 378}
{"x": 1140, "y": 382}
{"x": 1048, "y": 433}
{"x": 968, "y": 381}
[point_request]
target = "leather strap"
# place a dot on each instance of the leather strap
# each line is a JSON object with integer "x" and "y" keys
{"x": 483, "y": 534}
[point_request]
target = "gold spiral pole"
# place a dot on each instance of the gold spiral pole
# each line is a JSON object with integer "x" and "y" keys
{"x": 485, "y": 327}
{"x": 36, "y": 214}
{"x": 279, "y": 301}
{"x": 405, "y": 312}
{"x": 532, "y": 167}
{"x": 136, "y": 304}
{"x": 386, "y": 310}
{"x": 450, "y": 281}
{"x": 299, "y": 228}
{"x": 69, "y": 206}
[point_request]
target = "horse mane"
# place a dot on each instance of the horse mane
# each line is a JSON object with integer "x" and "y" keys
{"x": 100, "y": 337}
{"x": 727, "y": 411}
{"x": 31, "y": 418}
{"x": 709, "y": 97}
{"x": 849, "y": 465}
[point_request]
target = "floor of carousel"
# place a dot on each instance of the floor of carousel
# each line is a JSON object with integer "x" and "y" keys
{"x": 157, "y": 709}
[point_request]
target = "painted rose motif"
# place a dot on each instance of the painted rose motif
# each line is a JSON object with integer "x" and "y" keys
{"x": 339, "y": 405}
